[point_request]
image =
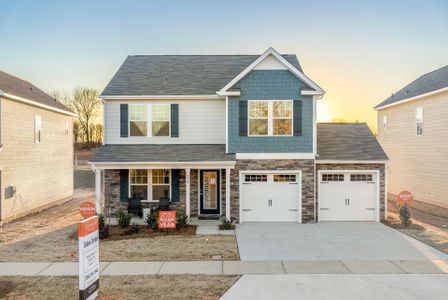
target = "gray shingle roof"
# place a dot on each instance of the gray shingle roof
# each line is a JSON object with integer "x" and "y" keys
{"x": 179, "y": 74}
{"x": 21, "y": 88}
{"x": 162, "y": 153}
{"x": 347, "y": 141}
{"x": 429, "y": 82}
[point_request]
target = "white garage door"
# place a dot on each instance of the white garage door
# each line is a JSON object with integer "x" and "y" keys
{"x": 348, "y": 196}
{"x": 271, "y": 197}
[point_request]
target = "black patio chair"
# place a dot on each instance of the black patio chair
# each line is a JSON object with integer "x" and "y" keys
{"x": 164, "y": 204}
{"x": 135, "y": 206}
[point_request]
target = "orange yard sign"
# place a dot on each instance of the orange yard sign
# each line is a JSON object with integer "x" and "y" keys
{"x": 405, "y": 198}
{"x": 87, "y": 209}
{"x": 167, "y": 219}
{"x": 86, "y": 227}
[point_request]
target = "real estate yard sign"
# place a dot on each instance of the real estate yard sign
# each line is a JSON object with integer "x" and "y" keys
{"x": 405, "y": 198}
{"x": 89, "y": 261}
{"x": 167, "y": 219}
{"x": 87, "y": 209}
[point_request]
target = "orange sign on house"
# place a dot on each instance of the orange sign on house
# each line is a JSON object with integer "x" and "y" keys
{"x": 167, "y": 219}
{"x": 405, "y": 198}
{"x": 87, "y": 209}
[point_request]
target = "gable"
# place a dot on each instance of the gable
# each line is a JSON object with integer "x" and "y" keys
{"x": 270, "y": 63}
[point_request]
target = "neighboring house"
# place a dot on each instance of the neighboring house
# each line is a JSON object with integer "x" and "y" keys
{"x": 36, "y": 149}
{"x": 412, "y": 129}
{"x": 233, "y": 136}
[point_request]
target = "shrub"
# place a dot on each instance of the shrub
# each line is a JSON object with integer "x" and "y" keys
{"x": 124, "y": 218}
{"x": 227, "y": 224}
{"x": 104, "y": 229}
{"x": 134, "y": 229}
{"x": 405, "y": 215}
{"x": 181, "y": 219}
{"x": 153, "y": 220}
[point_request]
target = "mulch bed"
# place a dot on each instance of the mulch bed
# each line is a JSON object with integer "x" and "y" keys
{"x": 399, "y": 225}
{"x": 116, "y": 232}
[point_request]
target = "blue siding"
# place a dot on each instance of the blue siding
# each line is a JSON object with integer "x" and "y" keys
{"x": 270, "y": 85}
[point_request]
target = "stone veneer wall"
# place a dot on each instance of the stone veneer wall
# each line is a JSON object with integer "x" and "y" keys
{"x": 306, "y": 166}
{"x": 379, "y": 167}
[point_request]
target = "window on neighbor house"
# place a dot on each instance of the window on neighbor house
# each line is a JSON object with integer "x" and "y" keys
{"x": 160, "y": 117}
{"x": 419, "y": 120}
{"x": 270, "y": 118}
{"x": 138, "y": 124}
{"x": 385, "y": 122}
{"x": 66, "y": 128}
{"x": 37, "y": 128}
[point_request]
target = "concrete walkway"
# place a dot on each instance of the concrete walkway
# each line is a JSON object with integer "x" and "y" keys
{"x": 233, "y": 267}
{"x": 336, "y": 286}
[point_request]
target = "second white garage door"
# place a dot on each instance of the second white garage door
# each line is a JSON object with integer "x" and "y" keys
{"x": 270, "y": 197}
{"x": 348, "y": 196}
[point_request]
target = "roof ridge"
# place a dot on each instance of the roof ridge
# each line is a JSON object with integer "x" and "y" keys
{"x": 202, "y": 54}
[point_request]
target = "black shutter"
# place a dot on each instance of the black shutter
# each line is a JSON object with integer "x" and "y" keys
{"x": 124, "y": 185}
{"x": 243, "y": 118}
{"x": 175, "y": 185}
{"x": 174, "y": 120}
{"x": 297, "y": 117}
{"x": 123, "y": 120}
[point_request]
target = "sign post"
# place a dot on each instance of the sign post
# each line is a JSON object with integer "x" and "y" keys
{"x": 89, "y": 259}
{"x": 167, "y": 219}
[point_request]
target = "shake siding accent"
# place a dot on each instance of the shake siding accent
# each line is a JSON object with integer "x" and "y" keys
{"x": 200, "y": 122}
{"x": 41, "y": 172}
{"x": 270, "y": 85}
{"x": 417, "y": 163}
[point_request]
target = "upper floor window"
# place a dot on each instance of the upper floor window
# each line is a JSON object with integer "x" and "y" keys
{"x": 419, "y": 120}
{"x": 270, "y": 118}
{"x": 160, "y": 115}
{"x": 66, "y": 128}
{"x": 138, "y": 124}
{"x": 37, "y": 128}
{"x": 385, "y": 122}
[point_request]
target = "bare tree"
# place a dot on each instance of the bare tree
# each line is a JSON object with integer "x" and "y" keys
{"x": 85, "y": 103}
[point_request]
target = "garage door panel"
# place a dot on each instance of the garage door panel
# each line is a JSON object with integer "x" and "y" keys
{"x": 270, "y": 201}
{"x": 347, "y": 196}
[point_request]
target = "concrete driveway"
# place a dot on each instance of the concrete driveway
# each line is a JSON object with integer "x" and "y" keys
{"x": 329, "y": 241}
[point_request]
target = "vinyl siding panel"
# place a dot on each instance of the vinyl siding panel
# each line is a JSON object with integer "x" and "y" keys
{"x": 42, "y": 173}
{"x": 200, "y": 122}
{"x": 417, "y": 163}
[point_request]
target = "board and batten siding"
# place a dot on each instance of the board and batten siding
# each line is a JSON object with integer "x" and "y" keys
{"x": 417, "y": 163}
{"x": 200, "y": 122}
{"x": 42, "y": 173}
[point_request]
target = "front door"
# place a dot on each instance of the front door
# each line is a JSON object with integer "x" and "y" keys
{"x": 209, "y": 192}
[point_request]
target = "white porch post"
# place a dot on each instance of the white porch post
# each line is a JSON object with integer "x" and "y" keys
{"x": 98, "y": 191}
{"x": 187, "y": 192}
{"x": 228, "y": 194}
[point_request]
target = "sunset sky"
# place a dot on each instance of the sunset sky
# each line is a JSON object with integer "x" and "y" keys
{"x": 358, "y": 51}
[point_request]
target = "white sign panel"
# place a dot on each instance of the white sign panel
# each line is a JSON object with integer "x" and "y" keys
{"x": 89, "y": 260}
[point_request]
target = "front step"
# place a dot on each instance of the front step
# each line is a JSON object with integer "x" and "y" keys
{"x": 209, "y": 217}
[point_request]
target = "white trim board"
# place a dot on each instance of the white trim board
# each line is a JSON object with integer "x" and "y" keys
{"x": 275, "y": 54}
{"x": 162, "y": 97}
{"x": 163, "y": 165}
{"x": 354, "y": 162}
{"x": 275, "y": 156}
{"x": 413, "y": 98}
{"x": 37, "y": 104}
{"x": 378, "y": 190}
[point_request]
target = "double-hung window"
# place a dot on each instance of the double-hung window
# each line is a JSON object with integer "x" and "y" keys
{"x": 149, "y": 120}
{"x": 160, "y": 117}
{"x": 151, "y": 185}
{"x": 270, "y": 117}
{"x": 385, "y": 122}
{"x": 138, "y": 124}
{"x": 37, "y": 128}
{"x": 419, "y": 120}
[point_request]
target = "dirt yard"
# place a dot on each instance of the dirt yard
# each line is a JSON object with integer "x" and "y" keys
{"x": 426, "y": 228}
{"x": 123, "y": 287}
{"x": 46, "y": 237}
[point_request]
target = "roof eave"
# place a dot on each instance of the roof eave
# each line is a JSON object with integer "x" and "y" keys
{"x": 160, "y": 97}
{"x": 418, "y": 97}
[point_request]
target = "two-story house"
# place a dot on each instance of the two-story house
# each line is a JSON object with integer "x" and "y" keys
{"x": 234, "y": 136}
{"x": 36, "y": 149}
{"x": 412, "y": 130}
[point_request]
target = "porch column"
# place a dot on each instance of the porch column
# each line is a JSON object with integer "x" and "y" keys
{"x": 98, "y": 191}
{"x": 187, "y": 192}
{"x": 228, "y": 194}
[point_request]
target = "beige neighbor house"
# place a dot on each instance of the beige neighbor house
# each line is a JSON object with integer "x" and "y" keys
{"x": 412, "y": 129}
{"x": 36, "y": 149}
